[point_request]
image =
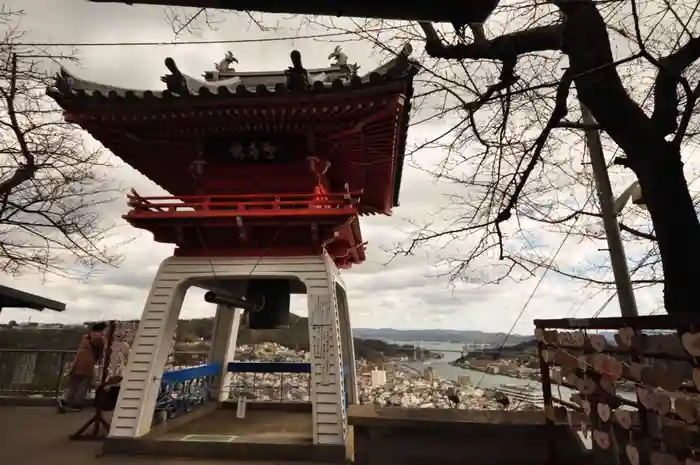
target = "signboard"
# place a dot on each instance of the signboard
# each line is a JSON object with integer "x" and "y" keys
{"x": 240, "y": 409}
{"x": 246, "y": 150}
{"x": 321, "y": 316}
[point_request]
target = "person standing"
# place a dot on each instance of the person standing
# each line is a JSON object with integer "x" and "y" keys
{"x": 82, "y": 370}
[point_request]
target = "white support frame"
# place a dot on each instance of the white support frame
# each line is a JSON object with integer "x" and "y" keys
{"x": 328, "y": 330}
{"x": 223, "y": 348}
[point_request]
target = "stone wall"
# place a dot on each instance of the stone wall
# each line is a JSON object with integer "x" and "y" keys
{"x": 390, "y": 436}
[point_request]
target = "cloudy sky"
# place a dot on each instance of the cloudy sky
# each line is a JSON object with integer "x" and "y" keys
{"x": 408, "y": 293}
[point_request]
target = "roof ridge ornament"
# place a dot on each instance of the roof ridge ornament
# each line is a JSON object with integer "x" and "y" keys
{"x": 225, "y": 64}
{"x": 297, "y": 76}
{"x": 401, "y": 65}
{"x": 352, "y": 69}
{"x": 175, "y": 81}
{"x": 341, "y": 59}
{"x": 64, "y": 81}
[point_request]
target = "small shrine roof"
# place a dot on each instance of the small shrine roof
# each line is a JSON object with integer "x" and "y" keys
{"x": 227, "y": 82}
{"x": 10, "y": 297}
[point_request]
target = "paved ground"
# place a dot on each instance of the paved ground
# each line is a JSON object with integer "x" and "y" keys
{"x": 39, "y": 436}
{"x": 259, "y": 425}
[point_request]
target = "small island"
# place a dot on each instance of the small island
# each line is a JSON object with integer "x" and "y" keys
{"x": 516, "y": 361}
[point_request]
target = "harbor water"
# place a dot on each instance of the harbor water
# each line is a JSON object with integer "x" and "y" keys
{"x": 443, "y": 369}
{"x": 451, "y": 351}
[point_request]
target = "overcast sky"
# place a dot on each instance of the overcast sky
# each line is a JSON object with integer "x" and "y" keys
{"x": 405, "y": 294}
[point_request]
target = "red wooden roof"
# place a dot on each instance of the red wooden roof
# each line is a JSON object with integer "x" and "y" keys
{"x": 366, "y": 117}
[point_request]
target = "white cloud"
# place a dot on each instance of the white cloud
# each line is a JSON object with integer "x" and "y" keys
{"x": 405, "y": 294}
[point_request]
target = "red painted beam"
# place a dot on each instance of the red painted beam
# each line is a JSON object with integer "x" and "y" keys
{"x": 244, "y": 252}
{"x": 263, "y": 197}
{"x": 185, "y": 215}
{"x": 342, "y": 260}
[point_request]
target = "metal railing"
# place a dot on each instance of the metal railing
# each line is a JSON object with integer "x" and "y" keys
{"x": 183, "y": 390}
{"x": 635, "y": 383}
{"x": 32, "y": 372}
{"x": 26, "y": 372}
{"x": 270, "y": 381}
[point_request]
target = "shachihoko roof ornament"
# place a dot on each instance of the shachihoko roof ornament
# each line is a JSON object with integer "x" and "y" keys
{"x": 226, "y": 81}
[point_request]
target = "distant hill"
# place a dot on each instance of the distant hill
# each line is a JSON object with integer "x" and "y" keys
{"x": 439, "y": 335}
{"x": 192, "y": 336}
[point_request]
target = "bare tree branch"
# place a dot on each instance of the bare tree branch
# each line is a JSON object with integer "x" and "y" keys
{"x": 504, "y": 117}
{"x": 51, "y": 184}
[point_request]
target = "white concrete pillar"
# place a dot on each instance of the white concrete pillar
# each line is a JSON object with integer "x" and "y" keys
{"x": 327, "y": 388}
{"x": 133, "y": 414}
{"x": 223, "y": 348}
{"x": 348, "y": 345}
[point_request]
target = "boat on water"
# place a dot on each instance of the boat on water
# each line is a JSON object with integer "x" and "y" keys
{"x": 520, "y": 387}
{"x": 523, "y": 393}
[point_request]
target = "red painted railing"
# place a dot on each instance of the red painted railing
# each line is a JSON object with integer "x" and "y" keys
{"x": 243, "y": 205}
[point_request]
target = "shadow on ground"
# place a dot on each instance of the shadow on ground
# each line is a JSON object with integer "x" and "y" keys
{"x": 39, "y": 436}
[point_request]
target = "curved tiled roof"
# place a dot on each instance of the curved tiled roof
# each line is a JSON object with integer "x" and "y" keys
{"x": 177, "y": 84}
{"x": 79, "y": 95}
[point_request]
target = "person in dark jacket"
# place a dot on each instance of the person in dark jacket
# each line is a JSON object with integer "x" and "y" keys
{"x": 82, "y": 370}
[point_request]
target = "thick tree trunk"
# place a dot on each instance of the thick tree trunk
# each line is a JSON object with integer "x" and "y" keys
{"x": 665, "y": 192}
{"x": 583, "y": 37}
{"x": 656, "y": 162}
